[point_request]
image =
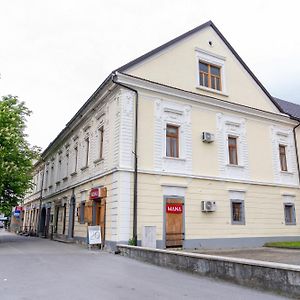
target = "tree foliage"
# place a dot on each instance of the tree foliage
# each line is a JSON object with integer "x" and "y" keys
{"x": 16, "y": 155}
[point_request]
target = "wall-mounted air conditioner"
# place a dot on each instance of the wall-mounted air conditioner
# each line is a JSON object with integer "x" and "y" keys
{"x": 208, "y": 137}
{"x": 207, "y": 206}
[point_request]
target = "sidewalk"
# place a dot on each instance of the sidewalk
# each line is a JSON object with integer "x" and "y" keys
{"x": 285, "y": 256}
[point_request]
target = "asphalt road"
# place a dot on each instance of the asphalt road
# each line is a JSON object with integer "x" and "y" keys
{"x": 34, "y": 268}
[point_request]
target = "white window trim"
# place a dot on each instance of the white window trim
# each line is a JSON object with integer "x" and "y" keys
{"x": 180, "y": 141}
{"x": 214, "y": 59}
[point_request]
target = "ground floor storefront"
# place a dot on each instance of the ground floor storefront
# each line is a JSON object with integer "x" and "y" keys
{"x": 172, "y": 212}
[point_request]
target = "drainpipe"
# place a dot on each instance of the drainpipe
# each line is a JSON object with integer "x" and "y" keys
{"x": 135, "y": 178}
{"x": 296, "y": 147}
{"x": 40, "y": 206}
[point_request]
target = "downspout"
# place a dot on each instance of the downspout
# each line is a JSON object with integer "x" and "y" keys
{"x": 135, "y": 178}
{"x": 41, "y": 198}
{"x": 296, "y": 146}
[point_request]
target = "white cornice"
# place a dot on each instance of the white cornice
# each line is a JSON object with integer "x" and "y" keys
{"x": 141, "y": 83}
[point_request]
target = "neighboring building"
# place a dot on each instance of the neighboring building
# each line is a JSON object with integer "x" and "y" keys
{"x": 184, "y": 139}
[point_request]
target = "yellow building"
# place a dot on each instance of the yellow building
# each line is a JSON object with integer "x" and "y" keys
{"x": 182, "y": 146}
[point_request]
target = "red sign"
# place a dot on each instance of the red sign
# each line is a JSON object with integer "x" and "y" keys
{"x": 94, "y": 193}
{"x": 174, "y": 208}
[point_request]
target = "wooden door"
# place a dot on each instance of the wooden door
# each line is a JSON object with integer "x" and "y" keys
{"x": 174, "y": 223}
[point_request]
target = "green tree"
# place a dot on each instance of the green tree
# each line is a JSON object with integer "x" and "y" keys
{"x": 16, "y": 154}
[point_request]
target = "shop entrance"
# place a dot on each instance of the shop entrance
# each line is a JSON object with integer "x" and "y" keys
{"x": 99, "y": 216}
{"x": 174, "y": 222}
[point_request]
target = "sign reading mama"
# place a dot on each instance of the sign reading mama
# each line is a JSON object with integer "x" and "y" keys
{"x": 174, "y": 208}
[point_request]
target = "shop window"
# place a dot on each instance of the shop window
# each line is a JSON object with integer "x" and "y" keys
{"x": 289, "y": 214}
{"x": 237, "y": 212}
{"x": 81, "y": 212}
{"x": 88, "y": 212}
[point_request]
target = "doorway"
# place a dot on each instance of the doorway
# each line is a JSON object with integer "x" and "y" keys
{"x": 99, "y": 207}
{"x": 174, "y": 222}
{"x": 43, "y": 221}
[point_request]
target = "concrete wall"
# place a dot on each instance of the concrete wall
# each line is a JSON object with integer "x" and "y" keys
{"x": 275, "y": 277}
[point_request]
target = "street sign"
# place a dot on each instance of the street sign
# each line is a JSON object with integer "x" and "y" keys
{"x": 94, "y": 235}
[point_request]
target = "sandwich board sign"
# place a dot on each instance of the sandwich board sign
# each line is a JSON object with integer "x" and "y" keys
{"x": 94, "y": 235}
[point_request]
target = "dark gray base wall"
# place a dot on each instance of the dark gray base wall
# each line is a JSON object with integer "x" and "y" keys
{"x": 110, "y": 246}
{"x": 280, "y": 278}
{"x": 221, "y": 243}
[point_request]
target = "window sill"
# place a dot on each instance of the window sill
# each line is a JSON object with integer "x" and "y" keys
{"x": 50, "y": 186}
{"x": 84, "y": 168}
{"x": 203, "y": 88}
{"x": 235, "y": 166}
{"x": 57, "y": 182}
{"x": 74, "y": 173}
{"x": 289, "y": 224}
{"x": 98, "y": 160}
{"x": 286, "y": 172}
{"x": 238, "y": 223}
{"x": 65, "y": 178}
{"x": 174, "y": 158}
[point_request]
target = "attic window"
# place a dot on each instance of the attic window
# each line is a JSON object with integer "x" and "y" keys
{"x": 210, "y": 76}
{"x": 210, "y": 72}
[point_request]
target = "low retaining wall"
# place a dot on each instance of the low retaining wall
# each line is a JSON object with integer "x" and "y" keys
{"x": 275, "y": 277}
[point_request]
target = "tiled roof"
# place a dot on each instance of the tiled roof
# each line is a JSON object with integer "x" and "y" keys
{"x": 289, "y": 108}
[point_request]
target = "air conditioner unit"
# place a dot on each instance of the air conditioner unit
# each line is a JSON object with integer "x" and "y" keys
{"x": 207, "y": 206}
{"x": 207, "y": 137}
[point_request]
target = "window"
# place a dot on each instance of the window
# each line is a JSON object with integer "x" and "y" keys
{"x": 66, "y": 171}
{"x": 232, "y": 150}
{"x": 237, "y": 212}
{"x": 58, "y": 170}
{"x": 87, "y": 150}
{"x": 210, "y": 76}
{"x": 282, "y": 157}
{"x": 172, "y": 146}
{"x": 289, "y": 214}
{"x": 81, "y": 212}
{"x": 76, "y": 158}
{"x": 101, "y": 135}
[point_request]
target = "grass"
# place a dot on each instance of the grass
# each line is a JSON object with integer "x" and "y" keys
{"x": 288, "y": 245}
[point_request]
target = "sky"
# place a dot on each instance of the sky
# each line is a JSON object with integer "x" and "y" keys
{"x": 54, "y": 54}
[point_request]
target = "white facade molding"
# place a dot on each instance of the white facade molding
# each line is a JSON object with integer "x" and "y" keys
{"x": 232, "y": 126}
{"x": 136, "y": 82}
{"x": 127, "y": 128}
{"x": 170, "y": 190}
{"x": 289, "y": 199}
{"x": 170, "y": 113}
{"x": 284, "y": 136}
{"x": 213, "y": 59}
